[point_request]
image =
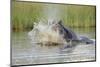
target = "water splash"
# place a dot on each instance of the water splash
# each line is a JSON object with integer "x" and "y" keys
{"x": 46, "y": 33}
{"x": 52, "y": 12}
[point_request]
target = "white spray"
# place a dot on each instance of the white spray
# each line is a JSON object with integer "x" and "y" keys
{"x": 44, "y": 32}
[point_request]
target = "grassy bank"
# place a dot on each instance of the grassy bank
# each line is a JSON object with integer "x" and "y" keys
{"x": 24, "y": 14}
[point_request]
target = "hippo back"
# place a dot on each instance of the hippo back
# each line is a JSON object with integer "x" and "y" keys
{"x": 68, "y": 33}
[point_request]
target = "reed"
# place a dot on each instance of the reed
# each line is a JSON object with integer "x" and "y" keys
{"x": 24, "y": 14}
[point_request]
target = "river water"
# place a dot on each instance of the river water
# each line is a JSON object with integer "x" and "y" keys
{"x": 24, "y": 52}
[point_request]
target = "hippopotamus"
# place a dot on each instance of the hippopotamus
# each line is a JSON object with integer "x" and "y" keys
{"x": 68, "y": 34}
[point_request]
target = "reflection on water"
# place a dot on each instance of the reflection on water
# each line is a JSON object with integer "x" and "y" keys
{"x": 24, "y": 52}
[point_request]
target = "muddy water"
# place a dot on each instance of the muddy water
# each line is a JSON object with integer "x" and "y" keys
{"x": 24, "y": 52}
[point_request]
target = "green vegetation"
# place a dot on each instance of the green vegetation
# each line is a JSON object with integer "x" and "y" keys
{"x": 24, "y": 14}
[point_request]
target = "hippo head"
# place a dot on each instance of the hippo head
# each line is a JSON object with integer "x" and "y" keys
{"x": 65, "y": 32}
{"x": 55, "y": 25}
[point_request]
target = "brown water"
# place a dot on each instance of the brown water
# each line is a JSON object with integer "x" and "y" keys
{"x": 24, "y": 52}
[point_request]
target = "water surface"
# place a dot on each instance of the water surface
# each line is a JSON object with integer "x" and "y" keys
{"x": 24, "y": 52}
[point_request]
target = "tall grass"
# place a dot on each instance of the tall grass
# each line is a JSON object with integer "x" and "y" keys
{"x": 24, "y": 14}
